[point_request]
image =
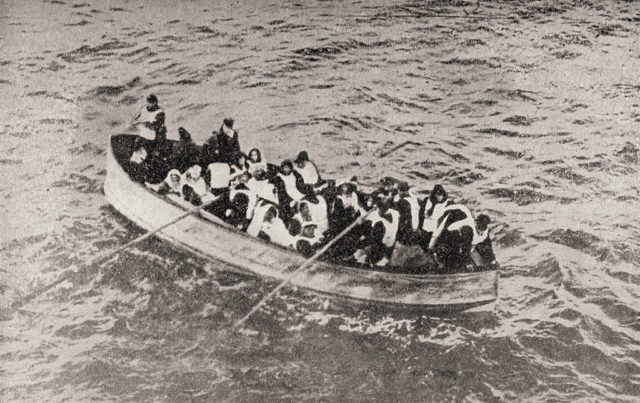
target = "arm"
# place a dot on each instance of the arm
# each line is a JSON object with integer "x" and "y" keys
{"x": 436, "y": 234}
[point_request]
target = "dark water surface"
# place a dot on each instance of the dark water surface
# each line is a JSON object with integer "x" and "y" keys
{"x": 532, "y": 118}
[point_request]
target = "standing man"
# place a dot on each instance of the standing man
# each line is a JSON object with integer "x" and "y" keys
{"x": 150, "y": 119}
{"x": 228, "y": 142}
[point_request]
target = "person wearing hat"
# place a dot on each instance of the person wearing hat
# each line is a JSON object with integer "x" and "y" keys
{"x": 228, "y": 142}
{"x": 150, "y": 119}
{"x": 455, "y": 240}
{"x": 185, "y": 153}
{"x": 309, "y": 171}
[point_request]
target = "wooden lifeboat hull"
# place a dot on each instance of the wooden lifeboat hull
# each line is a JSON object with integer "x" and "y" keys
{"x": 207, "y": 236}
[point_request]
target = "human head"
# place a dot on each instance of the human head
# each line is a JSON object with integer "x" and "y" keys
{"x": 388, "y": 184}
{"x": 254, "y": 155}
{"x": 347, "y": 188}
{"x": 438, "y": 194}
{"x": 152, "y": 100}
{"x": 403, "y": 189}
{"x": 301, "y": 159}
{"x": 242, "y": 159}
{"x": 482, "y": 222}
{"x": 174, "y": 176}
{"x": 286, "y": 167}
{"x": 228, "y": 122}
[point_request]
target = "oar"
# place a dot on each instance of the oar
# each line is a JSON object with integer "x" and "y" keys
{"x": 303, "y": 266}
{"x": 307, "y": 262}
{"x": 69, "y": 274}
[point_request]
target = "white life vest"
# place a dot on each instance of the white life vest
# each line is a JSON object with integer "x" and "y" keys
{"x": 309, "y": 173}
{"x": 253, "y": 200}
{"x": 290, "y": 186}
{"x": 144, "y": 120}
{"x": 278, "y": 233}
{"x": 350, "y": 201}
{"x": 390, "y": 228}
{"x": 220, "y": 175}
{"x": 255, "y": 166}
{"x": 258, "y": 217}
{"x": 139, "y": 156}
{"x": 263, "y": 189}
{"x": 414, "y": 203}
{"x": 192, "y": 178}
{"x": 479, "y": 237}
{"x": 430, "y": 223}
{"x": 319, "y": 215}
{"x": 469, "y": 221}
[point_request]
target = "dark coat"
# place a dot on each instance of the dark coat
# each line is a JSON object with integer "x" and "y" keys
{"x": 229, "y": 146}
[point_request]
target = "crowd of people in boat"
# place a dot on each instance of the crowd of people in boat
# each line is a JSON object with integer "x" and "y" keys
{"x": 290, "y": 204}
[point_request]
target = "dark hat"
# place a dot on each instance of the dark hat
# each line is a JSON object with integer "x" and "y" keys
{"x": 388, "y": 181}
{"x": 286, "y": 163}
{"x": 483, "y": 221}
{"x": 302, "y": 156}
{"x": 152, "y": 99}
{"x": 228, "y": 122}
{"x": 403, "y": 187}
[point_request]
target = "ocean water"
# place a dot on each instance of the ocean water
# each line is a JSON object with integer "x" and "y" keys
{"x": 528, "y": 111}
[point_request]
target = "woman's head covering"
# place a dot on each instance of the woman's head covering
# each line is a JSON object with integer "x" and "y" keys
{"x": 175, "y": 186}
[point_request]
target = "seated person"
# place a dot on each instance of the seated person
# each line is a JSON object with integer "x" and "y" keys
{"x": 309, "y": 171}
{"x": 194, "y": 188}
{"x": 142, "y": 167}
{"x": 255, "y": 162}
{"x": 172, "y": 184}
{"x": 241, "y": 166}
{"x": 211, "y": 152}
{"x": 162, "y": 148}
{"x": 290, "y": 189}
{"x": 312, "y": 219}
{"x": 408, "y": 205}
{"x": 262, "y": 187}
{"x": 432, "y": 209}
{"x": 185, "y": 153}
{"x": 456, "y": 237}
{"x": 242, "y": 202}
{"x": 377, "y": 244}
{"x": 217, "y": 177}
